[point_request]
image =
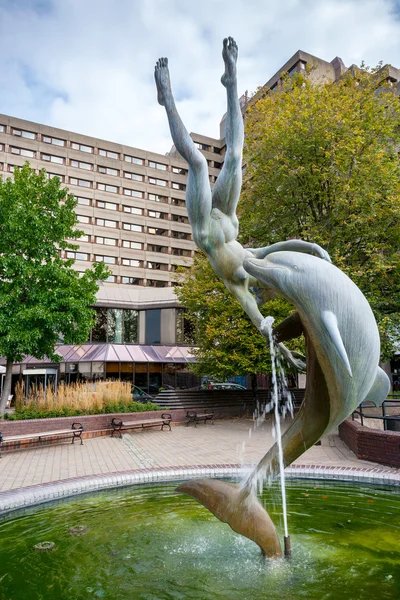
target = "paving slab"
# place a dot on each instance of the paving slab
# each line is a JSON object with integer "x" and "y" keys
{"x": 228, "y": 441}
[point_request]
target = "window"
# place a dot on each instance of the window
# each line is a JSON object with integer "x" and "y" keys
{"x": 179, "y": 171}
{"x": 81, "y": 147}
{"x": 132, "y": 262}
{"x": 158, "y": 284}
{"x": 155, "y": 248}
{"x": 181, "y": 235}
{"x": 78, "y": 164}
{"x": 157, "y": 231}
{"x": 154, "y": 181}
{"x": 133, "y": 193}
{"x": 201, "y": 146}
{"x": 107, "y": 205}
{"x": 110, "y": 279}
{"x": 108, "y": 171}
{"x": 132, "y": 227}
{"x": 1, "y": 147}
{"x": 83, "y": 201}
{"x": 133, "y": 245}
{"x": 52, "y": 175}
{"x": 106, "y": 223}
{"x": 108, "y": 153}
{"x": 181, "y": 252}
{"x": 157, "y": 266}
{"x": 83, "y": 219}
{"x": 107, "y": 188}
{"x": 29, "y": 135}
{"x": 180, "y": 219}
{"x": 106, "y": 241}
{"x": 134, "y": 176}
{"x": 134, "y": 160}
{"x": 22, "y": 152}
{"x": 109, "y": 260}
{"x": 11, "y": 168}
{"x": 132, "y": 280}
{"x": 156, "y": 165}
{"x": 54, "y": 159}
{"x": 152, "y": 326}
{"x": 158, "y": 198}
{"x": 155, "y": 214}
{"x": 133, "y": 210}
{"x": 178, "y": 186}
{"x": 2, "y": 128}
{"x": 184, "y": 328}
{"x": 77, "y": 255}
{"x": 52, "y": 140}
{"x": 80, "y": 182}
{"x": 84, "y": 238}
{"x": 178, "y": 202}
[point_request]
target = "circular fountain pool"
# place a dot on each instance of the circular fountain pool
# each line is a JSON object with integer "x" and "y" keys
{"x": 150, "y": 543}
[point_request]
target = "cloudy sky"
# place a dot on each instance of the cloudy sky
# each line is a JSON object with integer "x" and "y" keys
{"x": 87, "y": 65}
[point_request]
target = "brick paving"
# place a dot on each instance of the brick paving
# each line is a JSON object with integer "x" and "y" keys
{"x": 229, "y": 441}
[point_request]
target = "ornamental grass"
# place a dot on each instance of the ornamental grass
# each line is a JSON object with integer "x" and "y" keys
{"x": 76, "y": 399}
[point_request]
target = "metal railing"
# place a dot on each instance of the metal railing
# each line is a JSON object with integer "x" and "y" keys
{"x": 391, "y": 402}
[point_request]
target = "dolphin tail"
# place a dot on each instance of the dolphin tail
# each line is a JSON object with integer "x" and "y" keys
{"x": 240, "y": 509}
{"x": 379, "y": 389}
{"x": 331, "y": 326}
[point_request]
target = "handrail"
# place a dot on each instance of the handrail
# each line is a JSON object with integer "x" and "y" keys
{"x": 391, "y": 401}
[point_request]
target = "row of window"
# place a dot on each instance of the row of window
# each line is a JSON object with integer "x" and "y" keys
{"x": 114, "y": 260}
{"x": 79, "y": 164}
{"x": 154, "y": 214}
{"x": 158, "y": 283}
{"x": 112, "y": 206}
{"x": 180, "y": 235}
{"x": 134, "y": 245}
{"x": 112, "y": 189}
{"x": 30, "y": 135}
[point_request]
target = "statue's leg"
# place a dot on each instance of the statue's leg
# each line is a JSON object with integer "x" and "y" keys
{"x": 226, "y": 191}
{"x": 198, "y": 192}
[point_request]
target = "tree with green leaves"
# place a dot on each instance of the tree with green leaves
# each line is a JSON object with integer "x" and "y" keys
{"x": 42, "y": 298}
{"x": 226, "y": 341}
{"x": 322, "y": 165}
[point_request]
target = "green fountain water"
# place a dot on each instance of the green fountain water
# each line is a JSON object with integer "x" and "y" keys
{"x": 150, "y": 543}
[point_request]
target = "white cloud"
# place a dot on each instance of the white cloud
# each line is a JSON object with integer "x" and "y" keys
{"x": 88, "y": 65}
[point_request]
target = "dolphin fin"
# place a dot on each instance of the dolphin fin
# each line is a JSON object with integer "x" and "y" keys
{"x": 379, "y": 389}
{"x": 331, "y": 325}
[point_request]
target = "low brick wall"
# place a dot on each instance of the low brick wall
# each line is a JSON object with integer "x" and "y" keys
{"x": 97, "y": 423}
{"x": 382, "y": 447}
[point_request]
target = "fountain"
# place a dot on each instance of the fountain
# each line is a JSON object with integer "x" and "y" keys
{"x": 341, "y": 334}
{"x": 151, "y": 542}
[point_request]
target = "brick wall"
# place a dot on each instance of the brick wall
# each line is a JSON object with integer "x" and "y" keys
{"x": 95, "y": 423}
{"x": 371, "y": 444}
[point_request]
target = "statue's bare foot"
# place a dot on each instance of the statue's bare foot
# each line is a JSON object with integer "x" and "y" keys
{"x": 161, "y": 75}
{"x": 229, "y": 54}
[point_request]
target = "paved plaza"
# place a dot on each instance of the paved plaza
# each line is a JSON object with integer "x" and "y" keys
{"x": 230, "y": 441}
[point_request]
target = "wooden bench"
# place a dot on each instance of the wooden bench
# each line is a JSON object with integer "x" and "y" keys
{"x": 119, "y": 425}
{"x": 75, "y": 432}
{"x": 195, "y": 417}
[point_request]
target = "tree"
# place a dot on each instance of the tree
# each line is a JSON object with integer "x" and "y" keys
{"x": 322, "y": 165}
{"x": 42, "y": 298}
{"x": 226, "y": 341}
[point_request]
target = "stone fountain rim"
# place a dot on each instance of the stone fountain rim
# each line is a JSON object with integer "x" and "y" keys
{"x": 34, "y": 495}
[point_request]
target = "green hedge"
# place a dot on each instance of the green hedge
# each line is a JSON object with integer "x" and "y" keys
{"x": 31, "y": 413}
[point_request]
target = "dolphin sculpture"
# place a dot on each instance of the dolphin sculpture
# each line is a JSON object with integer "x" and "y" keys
{"x": 342, "y": 346}
{"x": 343, "y": 349}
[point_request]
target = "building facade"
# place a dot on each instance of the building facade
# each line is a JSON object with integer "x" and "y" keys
{"x": 131, "y": 207}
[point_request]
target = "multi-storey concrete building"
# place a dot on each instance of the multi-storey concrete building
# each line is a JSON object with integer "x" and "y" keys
{"x": 131, "y": 206}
